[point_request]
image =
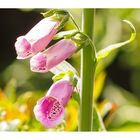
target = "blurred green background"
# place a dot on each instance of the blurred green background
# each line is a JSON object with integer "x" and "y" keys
{"x": 117, "y": 83}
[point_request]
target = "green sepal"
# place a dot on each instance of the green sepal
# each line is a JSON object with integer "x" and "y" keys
{"x": 70, "y": 75}
{"x": 65, "y": 34}
{"x": 106, "y": 51}
{"x": 54, "y": 13}
{"x": 48, "y": 13}
{"x": 58, "y": 76}
{"x": 78, "y": 37}
{"x": 63, "y": 21}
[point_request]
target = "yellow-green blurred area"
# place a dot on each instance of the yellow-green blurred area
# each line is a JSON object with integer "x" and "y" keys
{"x": 117, "y": 81}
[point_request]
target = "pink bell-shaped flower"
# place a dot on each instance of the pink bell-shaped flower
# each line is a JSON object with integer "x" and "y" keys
{"x": 50, "y": 109}
{"x": 44, "y": 61}
{"x": 36, "y": 39}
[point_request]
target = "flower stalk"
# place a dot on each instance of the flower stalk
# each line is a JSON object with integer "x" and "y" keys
{"x": 88, "y": 64}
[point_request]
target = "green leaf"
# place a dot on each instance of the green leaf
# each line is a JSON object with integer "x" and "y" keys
{"x": 106, "y": 51}
{"x": 98, "y": 124}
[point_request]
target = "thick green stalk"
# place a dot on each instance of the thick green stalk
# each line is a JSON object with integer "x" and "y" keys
{"x": 87, "y": 73}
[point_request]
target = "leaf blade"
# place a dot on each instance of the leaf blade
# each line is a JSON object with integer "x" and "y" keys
{"x": 106, "y": 51}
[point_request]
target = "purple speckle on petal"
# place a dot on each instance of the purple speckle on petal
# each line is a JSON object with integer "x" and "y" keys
{"x": 55, "y": 110}
{"x": 49, "y": 111}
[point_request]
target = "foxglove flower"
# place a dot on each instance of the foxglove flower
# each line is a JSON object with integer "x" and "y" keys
{"x": 44, "y": 61}
{"x": 50, "y": 109}
{"x": 36, "y": 39}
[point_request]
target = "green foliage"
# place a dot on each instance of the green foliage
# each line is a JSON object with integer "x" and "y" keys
{"x": 106, "y": 51}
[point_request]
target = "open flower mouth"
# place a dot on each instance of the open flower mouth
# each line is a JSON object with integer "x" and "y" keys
{"x": 38, "y": 63}
{"x": 56, "y": 109}
{"x": 23, "y": 48}
{"x": 38, "y": 69}
{"x": 49, "y": 111}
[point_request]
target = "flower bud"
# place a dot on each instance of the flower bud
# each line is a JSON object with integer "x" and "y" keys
{"x": 44, "y": 61}
{"x": 36, "y": 39}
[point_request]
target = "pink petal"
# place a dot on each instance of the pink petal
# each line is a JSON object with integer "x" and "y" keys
{"x": 23, "y": 48}
{"x": 41, "y": 34}
{"x": 54, "y": 55}
{"x": 49, "y": 111}
{"x": 38, "y": 62}
{"x": 61, "y": 90}
{"x": 59, "y": 52}
{"x": 37, "y": 38}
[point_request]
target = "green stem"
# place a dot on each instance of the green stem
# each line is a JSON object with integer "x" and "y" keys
{"x": 87, "y": 73}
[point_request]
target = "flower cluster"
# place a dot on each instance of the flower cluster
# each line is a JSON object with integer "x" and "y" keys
{"x": 37, "y": 39}
{"x": 50, "y": 109}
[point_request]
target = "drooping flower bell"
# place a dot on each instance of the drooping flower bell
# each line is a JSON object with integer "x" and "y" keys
{"x": 36, "y": 39}
{"x": 41, "y": 34}
{"x": 50, "y": 109}
{"x": 44, "y": 61}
